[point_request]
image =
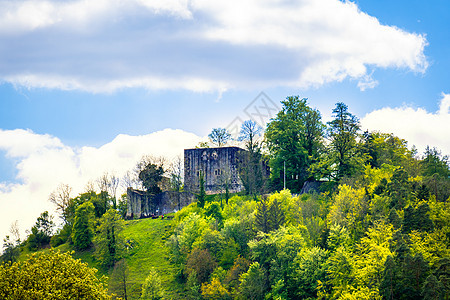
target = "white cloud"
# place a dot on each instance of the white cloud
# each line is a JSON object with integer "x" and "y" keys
{"x": 43, "y": 162}
{"x": 415, "y": 125}
{"x": 199, "y": 45}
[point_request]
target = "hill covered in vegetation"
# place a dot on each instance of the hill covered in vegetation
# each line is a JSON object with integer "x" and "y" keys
{"x": 376, "y": 225}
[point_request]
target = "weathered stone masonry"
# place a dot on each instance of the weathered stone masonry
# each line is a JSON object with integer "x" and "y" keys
{"x": 140, "y": 205}
{"x": 218, "y": 165}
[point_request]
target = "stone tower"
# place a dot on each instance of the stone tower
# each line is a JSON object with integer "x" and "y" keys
{"x": 220, "y": 167}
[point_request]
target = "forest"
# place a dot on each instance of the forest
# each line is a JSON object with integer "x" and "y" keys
{"x": 376, "y": 225}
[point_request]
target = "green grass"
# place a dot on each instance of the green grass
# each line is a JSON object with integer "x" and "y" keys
{"x": 148, "y": 237}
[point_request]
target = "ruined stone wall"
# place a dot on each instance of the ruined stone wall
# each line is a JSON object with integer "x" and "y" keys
{"x": 140, "y": 205}
{"x": 219, "y": 166}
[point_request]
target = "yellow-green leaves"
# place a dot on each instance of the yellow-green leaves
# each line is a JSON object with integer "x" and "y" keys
{"x": 50, "y": 275}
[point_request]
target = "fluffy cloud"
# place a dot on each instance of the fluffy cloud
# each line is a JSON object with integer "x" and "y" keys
{"x": 43, "y": 162}
{"x": 199, "y": 45}
{"x": 416, "y": 125}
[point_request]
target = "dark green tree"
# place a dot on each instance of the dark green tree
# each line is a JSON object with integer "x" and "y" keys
{"x": 294, "y": 139}
{"x": 150, "y": 176}
{"x": 432, "y": 289}
{"x": 413, "y": 272}
{"x": 388, "y": 286}
{"x": 201, "y": 196}
{"x": 399, "y": 188}
{"x": 41, "y": 232}
{"x": 417, "y": 219}
{"x": 394, "y": 219}
{"x": 436, "y": 170}
{"x": 262, "y": 218}
{"x": 343, "y": 132}
{"x": 10, "y": 251}
{"x": 83, "y": 231}
{"x": 276, "y": 215}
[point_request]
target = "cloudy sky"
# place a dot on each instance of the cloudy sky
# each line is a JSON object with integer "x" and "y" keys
{"x": 88, "y": 87}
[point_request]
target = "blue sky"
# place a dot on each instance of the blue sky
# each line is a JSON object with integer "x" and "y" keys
{"x": 87, "y": 88}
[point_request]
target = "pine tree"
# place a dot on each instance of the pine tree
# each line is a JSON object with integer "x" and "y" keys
{"x": 432, "y": 289}
{"x": 262, "y": 219}
{"x": 389, "y": 281}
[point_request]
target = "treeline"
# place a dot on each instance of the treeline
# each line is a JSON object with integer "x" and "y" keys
{"x": 377, "y": 228}
{"x": 376, "y": 225}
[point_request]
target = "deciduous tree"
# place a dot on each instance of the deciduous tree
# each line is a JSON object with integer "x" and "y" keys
{"x": 293, "y": 139}
{"x": 61, "y": 198}
{"x": 152, "y": 288}
{"x": 51, "y": 275}
{"x": 219, "y": 136}
{"x": 108, "y": 242}
{"x": 83, "y": 226}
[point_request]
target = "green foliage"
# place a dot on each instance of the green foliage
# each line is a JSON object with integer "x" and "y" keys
{"x": 349, "y": 209}
{"x": 338, "y": 237}
{"x": 262, "y": 220}
{"x": 276, "y": 253}
{"x": 215, "y": 290}
{"x": 213, "y": 210}
{"x": 108, "y": 242}
{"x": 152, "y": 288}
{"x": 434, "y": 163}
{"x": 202, "y": 263}
{"x": 10, "y": 251}
{"x": 150, "y": 175}
{"x": 50, "y": 275}
{"x": 417, "y": 219}
{"x": 343, "y": 132}
{"x": 62, "y": 236}
{"x": 41, "y": 232}
{"x": 193, "y": 287}
{"x": 433, "y": 289}
{"x": 270, "y": 214}
{"x": 382, "y": 148}
{"x": 253, "y": 283}
{"x": 122, "y": 206}
{"x": 311, "y": 269}
{"x": 389, "y": 282}
{"x": 294, "y": 138}
{"x": 83, "y": 231}
{"x": 118, "y": 282}
{"x": 201, "y": 197}
{"x": 239, "y": 267}
{"x": 187, "y": 232}
{"x": 229, "y": 254}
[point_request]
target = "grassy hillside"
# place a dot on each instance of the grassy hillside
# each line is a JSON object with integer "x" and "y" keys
{"x": 148, "y": 237}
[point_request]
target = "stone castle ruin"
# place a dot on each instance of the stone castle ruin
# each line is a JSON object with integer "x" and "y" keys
{"x": 219, "y": 166}
{"x": 142, "y": 205}
{"x": 220, "y": 169}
